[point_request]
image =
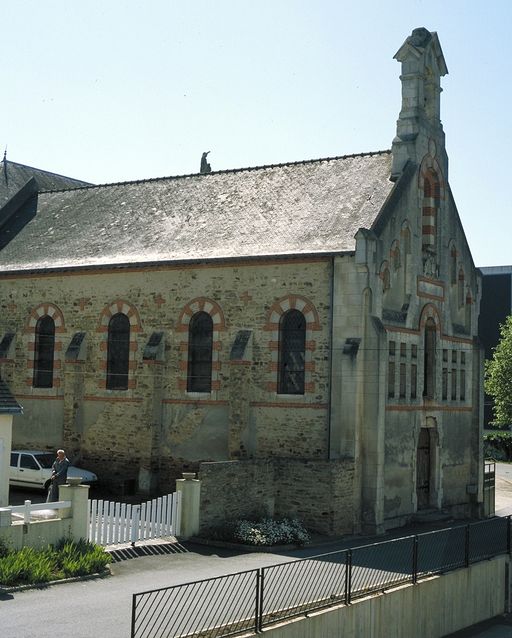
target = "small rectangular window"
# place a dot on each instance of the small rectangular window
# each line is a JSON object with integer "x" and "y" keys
{"x": 454, "y": 384}
{"x": 445, "y": 355}
{"x": 454, "y": 356}
{"x": 462, "y": 358}
{"x": 414, "y": 352}
{"x": 391, "y": 348}
{"x": 402, "y": 380}
{"x": 462, "y": 385}
{"x": 445, "y": 384}
{"x": 391, "y": 379}
{"x": 403, "y": 350}
{"x": 414, "y": 381}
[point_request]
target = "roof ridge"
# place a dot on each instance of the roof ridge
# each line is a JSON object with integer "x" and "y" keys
{"x": 42, "y": 170}
{"x": 221, "y": 172}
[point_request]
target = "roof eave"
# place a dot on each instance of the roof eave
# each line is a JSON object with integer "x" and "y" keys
{"x": 175, "y": 262}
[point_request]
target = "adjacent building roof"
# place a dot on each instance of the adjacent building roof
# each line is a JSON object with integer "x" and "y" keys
{"x": 299, "y": 208}
{"x": 14, "y": 176}
{"x": 8, "y": 404}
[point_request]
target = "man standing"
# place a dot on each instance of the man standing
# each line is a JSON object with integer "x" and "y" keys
{"x": 59, "y": 476}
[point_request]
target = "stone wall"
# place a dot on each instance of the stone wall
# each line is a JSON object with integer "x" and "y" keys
{"x": 319, "y": 493}
{"x": 154, "y": 430}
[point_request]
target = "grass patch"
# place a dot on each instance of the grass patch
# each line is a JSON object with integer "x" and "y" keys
{"x": 29, "y": 566}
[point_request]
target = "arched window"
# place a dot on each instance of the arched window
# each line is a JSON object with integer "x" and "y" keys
{"x": 431, "y": 202}
{"x": 292, "y": 348}
{"x": 453, "y": 265}
{"x": 118, "y": 352}
{"x": 386, "y": 280}
{"x": 461, "y": 288}
{"x": 429, "y": 377}
{"x": 44, "y": 348}
{"x": 200, "y": 347}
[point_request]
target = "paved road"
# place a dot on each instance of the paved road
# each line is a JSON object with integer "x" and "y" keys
{"x": 103, "y": 606}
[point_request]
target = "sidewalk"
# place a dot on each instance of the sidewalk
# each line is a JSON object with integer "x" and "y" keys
{"x": 104, "y": 606}
{"x": 500, "y": 627}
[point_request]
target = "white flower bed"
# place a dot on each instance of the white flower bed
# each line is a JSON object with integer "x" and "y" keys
{"x": 270, "y": 532}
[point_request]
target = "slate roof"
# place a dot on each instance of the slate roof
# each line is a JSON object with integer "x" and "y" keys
{"x": 8, "y": 404}
{"x": 13, "y": 176}
{"x": 300, "y": 208}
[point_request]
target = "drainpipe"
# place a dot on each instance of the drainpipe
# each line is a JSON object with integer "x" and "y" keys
{"x": 331, "y": 339}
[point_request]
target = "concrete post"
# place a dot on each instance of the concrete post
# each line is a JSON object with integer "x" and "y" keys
{"x": 79, "y": 497}
{"x": 5, "y": 517}
{"x": 190, "y": 489}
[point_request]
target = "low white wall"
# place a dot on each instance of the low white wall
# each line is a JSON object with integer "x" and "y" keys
{"x": 433, "y": 608}
{"x": 71, "y": 523}
{"x": 37, "y": 534}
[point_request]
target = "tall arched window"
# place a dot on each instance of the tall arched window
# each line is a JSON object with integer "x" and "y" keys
{"x": 292, "y": 348}
{"x": 118, "y": 352}
{"x": 44, "y": 348}
{"x": 431, "y": 202}
{"x": 200, "y": 348}
{"x": 429, "y": 377}
{"x": 453, "y": 265}
{"x": 461, "y": 288}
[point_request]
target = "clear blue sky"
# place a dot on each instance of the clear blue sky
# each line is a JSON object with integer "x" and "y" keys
{"x": 115, "y": 90}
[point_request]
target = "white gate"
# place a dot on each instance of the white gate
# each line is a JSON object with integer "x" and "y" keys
{"x": 112, "y": 523}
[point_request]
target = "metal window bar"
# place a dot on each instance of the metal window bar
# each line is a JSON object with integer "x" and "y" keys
{"x": 222, "y": 606}
{"x": 488, "y": 538}
{"x": 293, "y": 588}
{"x": 441, "y": 551}
{"x": 248, "y": 601}
{"x": 382, "y": 565}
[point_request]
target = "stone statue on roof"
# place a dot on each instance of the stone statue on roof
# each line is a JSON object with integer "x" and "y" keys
{"x": 205, "y": 167}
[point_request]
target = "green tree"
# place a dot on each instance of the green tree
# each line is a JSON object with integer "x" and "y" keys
{"x": 498, "y": 376}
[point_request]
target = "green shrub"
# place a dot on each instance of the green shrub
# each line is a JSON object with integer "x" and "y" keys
{"x": 67, "y": 558}
{"x": 498, "y": 445}
{"x": 4, "y": 549}
{"x": 82, "y": 558}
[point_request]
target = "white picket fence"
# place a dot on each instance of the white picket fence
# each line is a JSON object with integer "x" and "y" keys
{"x": 112, "y": 523}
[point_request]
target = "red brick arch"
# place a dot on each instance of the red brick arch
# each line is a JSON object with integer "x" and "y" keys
{"x": 124, "y": 307}
{"x": 42, "y": 310}
{"x": 128, "y": 309}
{"x": 430, "y": 311}
{"x": 276, "y": 311}
{"x": 200, "y": 304}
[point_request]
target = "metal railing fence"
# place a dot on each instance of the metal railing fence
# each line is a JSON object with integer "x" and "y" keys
{"x": 250, "y": 600}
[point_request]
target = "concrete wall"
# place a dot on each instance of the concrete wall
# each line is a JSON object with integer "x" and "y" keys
{"x": 319, "y": 493}
{"x": 431, "y": 609}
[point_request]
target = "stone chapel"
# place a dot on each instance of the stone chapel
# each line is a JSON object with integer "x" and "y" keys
{"x": 303, "y": 334}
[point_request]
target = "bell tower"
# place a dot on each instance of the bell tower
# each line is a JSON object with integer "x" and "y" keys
{"x": 419, "y": 122}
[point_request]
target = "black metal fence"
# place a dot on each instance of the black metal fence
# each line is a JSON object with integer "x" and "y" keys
{"x": 248, "y": 601}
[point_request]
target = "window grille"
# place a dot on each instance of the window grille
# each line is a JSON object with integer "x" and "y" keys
{"x": 200, "y": 349}
{"x": 44, "y": 348}
{"x": 292, "y": 349}
{"x": 118, "y": 352}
